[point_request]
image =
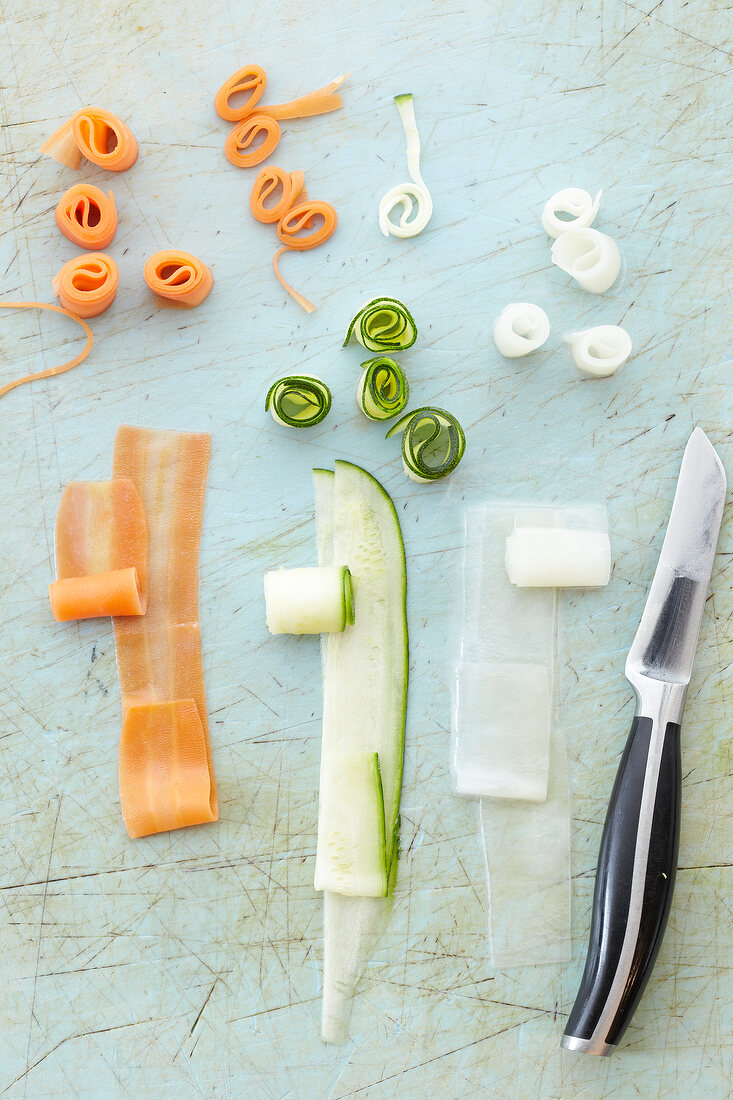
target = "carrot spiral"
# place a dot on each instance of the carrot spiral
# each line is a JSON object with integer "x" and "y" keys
{"x": 178, "y": 276}
{"x": 87, "y": 216}
{"x": 245, "y": 133}
{"x": 96, "y": 134}
{"x": 301, "y": 223}
{"x": 250, "y": 79}
{"x": 267, "y": 183}
{"x": 87, "y": 285}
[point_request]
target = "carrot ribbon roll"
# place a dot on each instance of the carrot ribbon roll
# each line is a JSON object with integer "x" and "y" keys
{"x": 268, "y": 183}
{"x": 87, "y": 285}
{"x": 166, "y": 773}
{"x": 254, "y": 118}
{"x": 101, "y": 551}
{"x": 179, "y": 277}
{"x": 99, "y": 595}
{"x": 96, "y": 134}
{"x": 299, "y": 230}
{"x": 87, "y": 216}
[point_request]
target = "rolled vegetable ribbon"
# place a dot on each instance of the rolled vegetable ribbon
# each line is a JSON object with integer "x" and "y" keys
{"x": 96, "y": 134}
{"x": 382, "y": 391}
{"x": 245, "y": 133}
{"x": 315, "y": 600}
{"x": 87, "y": 285}
{"x": 303, "y": 218}
{"x": 591, "y": 257}
{"x": 250, "y": 79}
{"x": 269, "y": 180}
{"x": 411, "y": 194}
{"x": 179, "y": 277}
{"x": 50, "y": 371}
{"x": 254, "y": 118}
{"x": 298, "y": 401}
{"x": 580, "y": 208}
{"x": 96, "y": 596}
{"x": 432, "y": 443}
{"x": 599, "y": 352}
{"x": 383, "y": 324}
{"x": 87, "y": 216}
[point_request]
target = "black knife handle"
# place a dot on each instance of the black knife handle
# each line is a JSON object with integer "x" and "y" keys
{"x": 634, "y": 884}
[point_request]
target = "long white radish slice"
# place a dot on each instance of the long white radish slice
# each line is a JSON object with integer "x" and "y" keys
{"x": 407, "y": 195}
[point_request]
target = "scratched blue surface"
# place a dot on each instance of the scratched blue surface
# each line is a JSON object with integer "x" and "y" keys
{"x": 189, "y": 964}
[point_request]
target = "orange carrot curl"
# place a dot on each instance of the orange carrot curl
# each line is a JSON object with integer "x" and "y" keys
{"x": 255, "y": 120}
{"x": 87, "y": 285}
{"x": 178, "y": 277}
{"x": 87, "y": 216}
{"x": 96, "y": 134}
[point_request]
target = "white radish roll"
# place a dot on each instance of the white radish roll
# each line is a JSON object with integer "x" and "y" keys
{"x": 558, "y": 557}
{"x": 317, "y": 600}
{"x": 599, "y": 352}
{"x": 591, "y": 257}
{"x": 577, "y": 204}
{"x": 520, "y": 328}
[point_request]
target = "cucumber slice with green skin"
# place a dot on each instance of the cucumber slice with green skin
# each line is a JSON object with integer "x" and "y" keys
{"x": 298, "y": 401}
{"x": 316, "y": 600}
{"x": 351, "y": 851}
{"x": 383, "y": 324}
{"x": 382, "y": 391}
{"x": 432, "y": 443}
{"x": 365, "y": 693}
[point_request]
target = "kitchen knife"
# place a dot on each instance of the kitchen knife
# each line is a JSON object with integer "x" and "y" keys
{"x": 638, "y": 856}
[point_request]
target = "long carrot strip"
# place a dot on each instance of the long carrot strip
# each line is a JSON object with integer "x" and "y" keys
{"x": 97, "y": 596}
{"x": 178, "y": 277}
{"x": 96, "y": 134}
{"x": 87, "y": 216}
{"x": 163, "y": 749}
{"x": 50, "y": 372}
{"x": 320, "y": 102}
{"x": 87, "y": 285}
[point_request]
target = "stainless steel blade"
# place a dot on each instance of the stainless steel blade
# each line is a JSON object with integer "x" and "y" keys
{"x": 665, "y": 643}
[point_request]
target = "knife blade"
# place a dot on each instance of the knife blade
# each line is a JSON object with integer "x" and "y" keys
{"x": 638, "y": 854}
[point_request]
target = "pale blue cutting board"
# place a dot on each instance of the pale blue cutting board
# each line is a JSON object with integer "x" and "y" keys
{"x": 189, "y": 964}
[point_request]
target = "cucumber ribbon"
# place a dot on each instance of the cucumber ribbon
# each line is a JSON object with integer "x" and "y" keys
{"x": 407, "y": 195}
{"x": 298, "y": 401}
{"x": 382, "y": 391}
{"x": 383, "y": 324}
{"x": 432, "y": 443}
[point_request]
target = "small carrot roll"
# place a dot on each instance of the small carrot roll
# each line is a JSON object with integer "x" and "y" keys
{"x": 178, "y": 276}
{"x": 250, "y": 79}
{"x": 87, "y": 216}
{"x": 267, "y": 184}
{"x": 87, "y": 285}
{"x": 96, "y": 596}
{"x": 96, "y": 134}
{"x": 245, "y": 133}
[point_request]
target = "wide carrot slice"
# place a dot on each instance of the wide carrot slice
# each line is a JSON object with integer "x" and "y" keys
{"x": 101, "y": 528}
{"x": 96, "y": 596}
{"x": 164, "y": 777}
{"x": 87, "y": 216}
{"x": 50, "y": 371}
{"x": 159, "y": 655}
{"x": 87, "y": 285}
{"x": 178, "y": 277}
{"x": 96, "y": 134}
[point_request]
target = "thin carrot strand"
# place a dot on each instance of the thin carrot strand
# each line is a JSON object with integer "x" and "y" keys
{"x": 50, "y": 371}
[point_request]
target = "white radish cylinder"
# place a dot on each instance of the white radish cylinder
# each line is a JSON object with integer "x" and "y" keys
{"x": 591, "y": 257}
{"x": 599, "y": 352}
{"x": 520, "y": 328}
{"x": 577, "y": 204}
{"x": 316, "y": 600}
{"x": 558, "y": 557}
